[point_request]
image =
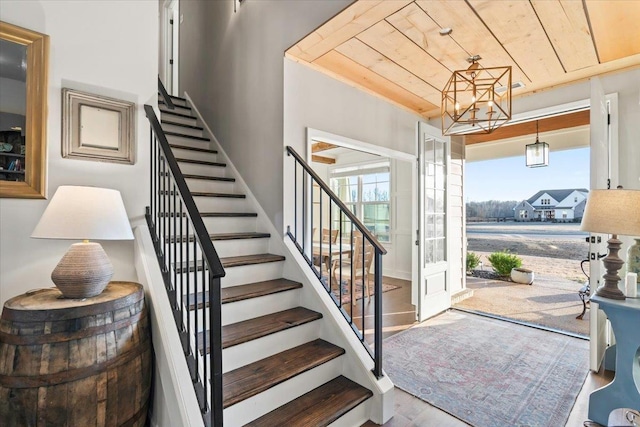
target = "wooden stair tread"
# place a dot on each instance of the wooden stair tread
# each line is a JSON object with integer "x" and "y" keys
{"x": 224, "y": 236}
{"x": 173, "y": 113}
{"x": 209, "y": 178}
{"x": 169, "y": 122}
{"x": 236, "y": 261}
{"x": 257, "y": 289}
{"x": 254, "y": 378}
{"x": 201, "y": 162}
{"x": 258, "y": 327}
{"x": 174, "y": 97}
{"x": 228, "y": 214}
{"x": 206, "y": 194}
{"x": 319, "y": 407}
{"x": 239, "y": 236}
{"x": 175, "y": 105}
{"x": 244, "y": 292}
{"x": 186, "y": 147}
{"x": 227, "y": 195}
{"x": 233, "y": 261}
{"x": 184, "y": 135}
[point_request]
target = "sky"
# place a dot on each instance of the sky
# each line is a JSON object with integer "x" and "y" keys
{"x": 510, "y": 179}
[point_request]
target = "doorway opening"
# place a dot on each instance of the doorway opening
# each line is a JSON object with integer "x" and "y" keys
{"x": 169, "y": 45}
{"x": 529, "y": 218}
{"x": 376, "y": 184}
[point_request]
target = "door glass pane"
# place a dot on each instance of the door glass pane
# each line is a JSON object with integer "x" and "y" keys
{"x": 435, "y": 194}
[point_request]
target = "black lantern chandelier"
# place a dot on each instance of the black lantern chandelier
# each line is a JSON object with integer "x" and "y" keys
{"x": 476, "y": 99}
{"x": 537, "y": 154}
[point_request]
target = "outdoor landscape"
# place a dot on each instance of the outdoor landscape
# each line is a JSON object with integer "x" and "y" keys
{"x": 552, "y": 250}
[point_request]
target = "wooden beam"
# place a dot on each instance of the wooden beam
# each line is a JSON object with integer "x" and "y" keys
{"x": 565, "y": 121}
{"x": 321, "y": 159}
{"x": 321, "y": 146}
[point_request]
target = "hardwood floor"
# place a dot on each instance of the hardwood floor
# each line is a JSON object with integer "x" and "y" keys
{"x": 410, "y": 411}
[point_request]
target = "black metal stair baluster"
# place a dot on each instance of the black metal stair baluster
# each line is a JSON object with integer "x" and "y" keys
{"x": 180, "y": 278}
{"x": 205, "y": 323}
{"x": 377, "y": 369}
{"x": 174, "y": 235}
{"x": 187, "y": 276}
{"x": 295, "y": 203}
{"x": 196, "y": 329}
{"x": 215, "y": 354}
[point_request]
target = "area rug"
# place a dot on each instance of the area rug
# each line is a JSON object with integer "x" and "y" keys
{"x": 489, "y": 373}
{"x": 346, "y": 289}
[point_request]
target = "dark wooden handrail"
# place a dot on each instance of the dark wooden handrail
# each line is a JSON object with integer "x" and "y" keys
{"x": 370, "y": 237}
{"x": 165, "y": 95}
{"x": 209, "y": 252}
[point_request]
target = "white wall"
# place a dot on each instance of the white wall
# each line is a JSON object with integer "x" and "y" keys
{"x": 236, "y": 80}
{"x": 108, "y": 48}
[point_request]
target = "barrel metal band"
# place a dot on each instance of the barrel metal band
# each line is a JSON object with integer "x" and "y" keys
{"x": 58, "y": 337}
{"x": 73, "y": 374}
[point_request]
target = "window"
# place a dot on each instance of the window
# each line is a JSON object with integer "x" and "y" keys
{"x": 575, "y": 199}
{"x": 524, "y": 214}
{"x": 365, "y": 190}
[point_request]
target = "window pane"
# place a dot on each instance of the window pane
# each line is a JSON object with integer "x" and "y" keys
{"x": 440, "y": 198}
{"x": 440, "y": 226}
{"x": 429, "y": 226}
{"x": 439, "y": 147}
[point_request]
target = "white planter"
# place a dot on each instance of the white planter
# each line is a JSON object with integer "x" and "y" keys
{"x": 522, "y": 275}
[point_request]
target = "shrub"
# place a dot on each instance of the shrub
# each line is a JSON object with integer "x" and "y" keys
{"x": 504, "y": 261}
{"x": 472, "y": 261}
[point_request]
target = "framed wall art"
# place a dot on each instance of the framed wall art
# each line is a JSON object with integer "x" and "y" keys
{"x": 97, "y": 128}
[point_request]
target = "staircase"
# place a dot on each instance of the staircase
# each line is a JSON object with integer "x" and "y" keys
{"x": 276, "y": 370}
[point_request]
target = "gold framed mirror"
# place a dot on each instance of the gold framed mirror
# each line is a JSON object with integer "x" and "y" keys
{"x": 23, "y": 112}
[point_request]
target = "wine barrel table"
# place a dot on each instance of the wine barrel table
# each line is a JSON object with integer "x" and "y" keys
{"x": 75, "y": 362}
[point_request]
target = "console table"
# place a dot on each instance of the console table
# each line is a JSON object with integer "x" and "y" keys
{"x": 624, "y": 390}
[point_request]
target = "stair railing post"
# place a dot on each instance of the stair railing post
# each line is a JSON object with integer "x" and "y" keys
{"x": 377, "y": 368}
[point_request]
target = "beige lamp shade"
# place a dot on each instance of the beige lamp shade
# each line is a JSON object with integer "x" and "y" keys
{"x": 612, "y": 212}
{"x": 83, "y": 213}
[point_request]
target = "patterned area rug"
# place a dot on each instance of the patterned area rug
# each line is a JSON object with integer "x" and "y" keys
{"x": 489, "y": 373}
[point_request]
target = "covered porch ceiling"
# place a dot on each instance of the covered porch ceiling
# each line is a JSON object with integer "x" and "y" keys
{"x": 394, "y": 49}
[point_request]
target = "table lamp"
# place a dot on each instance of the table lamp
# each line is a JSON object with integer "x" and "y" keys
{"x": 84, "y": 213}
{"x": 615, "y": 212}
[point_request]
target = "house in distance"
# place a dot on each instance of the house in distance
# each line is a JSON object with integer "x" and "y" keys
{"x": 553, "y": 205}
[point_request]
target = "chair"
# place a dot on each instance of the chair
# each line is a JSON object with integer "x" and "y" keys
{"x": 328, "y": 237}
{"x": 358, "y": 266}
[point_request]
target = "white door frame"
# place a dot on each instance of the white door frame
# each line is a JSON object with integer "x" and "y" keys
{"x": 170, "y": 45}
{"x": 315, "y": 135}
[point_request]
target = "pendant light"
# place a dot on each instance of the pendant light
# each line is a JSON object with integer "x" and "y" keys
{"x": 537, "y": 154}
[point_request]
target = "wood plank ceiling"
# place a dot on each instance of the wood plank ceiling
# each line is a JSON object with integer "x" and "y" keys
{"x": 393, "y": 48}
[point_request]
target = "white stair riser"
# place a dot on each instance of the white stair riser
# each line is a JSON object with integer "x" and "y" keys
{"x": 254, "y": 350}
{"x": 252, "y": 273}
{"x": 239, "y": 247}
{"x": 204, "y": 185}
{"x": 239, "y": 311}
{"x": 256, "y": 406}
{"x": 180, "y": 129}
{"x": 224, "y": 248}
{"x": 182, "y": 102}
{"x": 179, "y": 109}
{"x": 173, "y": 139}
{"x": 238, "y": 275}
{"x": 221, "y": 204}
{"x": 206, "y": 170}
{"x": 180, "y": 119}
{"x": 194, "y": 155}
{"x": 230, "y": 225}
{"x": 355, "y": 417}
{"x": 193, "y": 143}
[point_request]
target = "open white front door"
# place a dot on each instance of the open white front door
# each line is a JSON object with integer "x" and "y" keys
{"x": 604, "y": 174}
{"x": 432, "y": 291}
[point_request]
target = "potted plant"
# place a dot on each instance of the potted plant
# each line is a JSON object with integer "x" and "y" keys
{"x": 522, "y": 275}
